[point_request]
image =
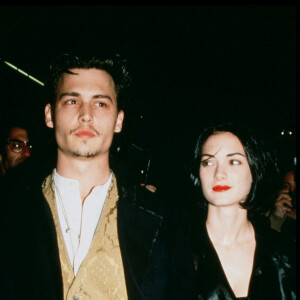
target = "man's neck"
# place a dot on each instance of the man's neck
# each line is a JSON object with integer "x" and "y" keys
{"x": 89, "y": 172}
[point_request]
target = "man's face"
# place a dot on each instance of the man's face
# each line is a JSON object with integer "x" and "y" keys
{"x": 13, "y": 159}
{"x": 85, "y": 115}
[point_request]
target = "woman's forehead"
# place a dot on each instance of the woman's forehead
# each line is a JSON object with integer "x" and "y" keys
{"x": 223, "y": 140}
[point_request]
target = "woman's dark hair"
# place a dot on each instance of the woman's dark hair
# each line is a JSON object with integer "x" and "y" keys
{"x": 262, "y": 162}
{"x": 114, "y": 65}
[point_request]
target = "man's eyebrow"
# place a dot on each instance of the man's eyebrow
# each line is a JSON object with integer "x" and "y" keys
{"x": 100, "y": 96}
{"x": 75, "y": 94}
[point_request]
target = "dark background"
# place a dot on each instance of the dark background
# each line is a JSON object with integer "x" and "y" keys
{"x": 193, "y": 65}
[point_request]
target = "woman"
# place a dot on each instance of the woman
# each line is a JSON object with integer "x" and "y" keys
{"x": 234, "y": 255}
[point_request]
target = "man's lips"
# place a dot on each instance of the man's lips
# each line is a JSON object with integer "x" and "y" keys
{"x": 85, "y": 133}
{"x": 221, "y": 188}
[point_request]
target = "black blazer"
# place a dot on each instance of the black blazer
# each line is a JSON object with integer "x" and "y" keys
{"x": 30, "y": 261}
{"x": 273, "y": 276}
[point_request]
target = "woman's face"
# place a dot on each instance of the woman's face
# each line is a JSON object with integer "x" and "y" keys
{"x": 225, "y": 173}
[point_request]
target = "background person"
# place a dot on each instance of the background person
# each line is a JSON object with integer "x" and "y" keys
{"x": 15, "y": 146}
{"x": 285, "y": 204}
{"x": 284, "y": 213}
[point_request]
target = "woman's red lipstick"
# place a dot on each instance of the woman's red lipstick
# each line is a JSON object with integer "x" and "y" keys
{"x": 221, "y": 188}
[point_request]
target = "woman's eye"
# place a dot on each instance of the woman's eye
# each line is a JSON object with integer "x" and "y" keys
{"x": 206, "y": 163}
{"x": 235, "y": 162}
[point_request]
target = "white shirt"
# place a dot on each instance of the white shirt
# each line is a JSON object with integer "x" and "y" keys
{"x": 78, "y": 222}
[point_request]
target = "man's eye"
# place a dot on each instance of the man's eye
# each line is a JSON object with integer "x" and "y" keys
{"x": 101, "y": 104}
{"x": 16, "y": 145}
{"x": 72, "y": 101}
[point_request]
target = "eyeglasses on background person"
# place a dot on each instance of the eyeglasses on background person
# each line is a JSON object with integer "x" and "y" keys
{"x": 18, "y": 146}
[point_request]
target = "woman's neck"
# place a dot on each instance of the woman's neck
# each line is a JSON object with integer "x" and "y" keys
{"x": 228, "y": 225}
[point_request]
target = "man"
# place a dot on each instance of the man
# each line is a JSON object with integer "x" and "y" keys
{"x": 87, "y": 233}
{"x": 15, "y": 147}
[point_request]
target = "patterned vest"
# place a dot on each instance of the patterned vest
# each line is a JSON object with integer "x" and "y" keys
{"x": 101, "y": 274}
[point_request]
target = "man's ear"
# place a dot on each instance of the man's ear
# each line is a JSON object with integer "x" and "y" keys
{"x": 48, "y": 116}
{"x": 119, "y": 123}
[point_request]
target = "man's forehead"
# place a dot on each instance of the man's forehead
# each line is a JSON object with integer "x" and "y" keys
{"x": 18, "y": 132}
{"x": 86, "y": 77}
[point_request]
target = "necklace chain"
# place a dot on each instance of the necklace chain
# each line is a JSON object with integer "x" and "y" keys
{"x": 68, "y": 229}
{"x": 62, "y": 207}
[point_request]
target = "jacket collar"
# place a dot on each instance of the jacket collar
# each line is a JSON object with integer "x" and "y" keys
{"x": 138, "y": 228}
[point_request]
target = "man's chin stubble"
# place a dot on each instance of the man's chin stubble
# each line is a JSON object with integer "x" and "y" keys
{"x": 84, "y": 154}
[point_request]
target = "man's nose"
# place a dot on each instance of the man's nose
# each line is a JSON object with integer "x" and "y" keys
{"x": 85, "y": 114}
{"x": 26, "y": 152}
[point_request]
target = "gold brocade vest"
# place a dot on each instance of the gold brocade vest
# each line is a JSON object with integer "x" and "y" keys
{"x": 101, "y": 274}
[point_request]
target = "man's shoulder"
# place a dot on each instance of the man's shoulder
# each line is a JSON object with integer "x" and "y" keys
{"x": 139, "y": 195}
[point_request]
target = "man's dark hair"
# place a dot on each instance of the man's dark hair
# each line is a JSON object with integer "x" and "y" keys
{"x": 262, "y": 161}
{"x": 114, "y": 65}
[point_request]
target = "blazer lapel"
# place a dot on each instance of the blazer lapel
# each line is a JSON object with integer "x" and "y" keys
{"x": 138, "y": 228}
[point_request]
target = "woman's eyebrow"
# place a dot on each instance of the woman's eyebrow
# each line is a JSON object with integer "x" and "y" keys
{"x": 205, "y": 154}
{"x": 236, "y": 153}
